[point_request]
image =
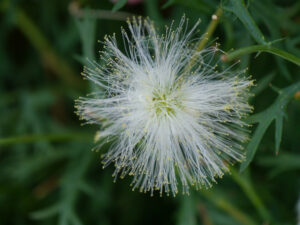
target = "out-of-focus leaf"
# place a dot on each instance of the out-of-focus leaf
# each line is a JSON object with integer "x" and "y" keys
{"x": 219, "y": 199}
{"x": 169, "y": 3}
{"x": 187, "y": 213}
{"x": 72, "y": 183}
{"x": 87, "y": 32}
{"x": 86, "y": 188}
{"x": 281, "y": 163}
{"x": 71, "y": 186}
{"x": 197, "y": 5}
{"x": 263, "y": 83}
{"x": 222, "y": 218}
{"x": 39, "y": 41}
{"x": 85, "y": 26}
{"x": 46, "y": 213}
{"x": 292, "y": 45}
{"x": 244, "y": 181}
{"x": 118, "y": 5}
{"x": 264, "y": 120}
{"x": 153, "y": 11}
{"x": 33, "y": 164}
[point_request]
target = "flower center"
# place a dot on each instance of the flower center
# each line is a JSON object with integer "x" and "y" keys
{"x": 164, "y": 102}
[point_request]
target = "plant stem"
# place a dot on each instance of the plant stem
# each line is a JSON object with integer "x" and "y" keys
{"x": 76, "y": 11}
{"x": 45, "y": 137}
{"x": 262, "y": 48}
{"x": 208, "y": 33}
{"x": 210, "y": 29}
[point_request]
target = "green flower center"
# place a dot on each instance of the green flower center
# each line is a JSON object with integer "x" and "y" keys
{"x": 165, "y": 102}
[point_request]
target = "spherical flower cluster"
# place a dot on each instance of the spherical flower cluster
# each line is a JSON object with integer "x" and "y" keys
{"x": 171, "y": 119}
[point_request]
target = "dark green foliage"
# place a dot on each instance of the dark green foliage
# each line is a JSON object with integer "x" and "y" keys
{"x": 49, "y": 175}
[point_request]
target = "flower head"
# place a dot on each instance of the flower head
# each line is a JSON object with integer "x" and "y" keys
{"x": 171, "y": 122}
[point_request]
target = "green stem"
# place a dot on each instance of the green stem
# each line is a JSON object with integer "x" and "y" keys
{"x": 208, "y": 33}
{"x": 45, "y": 137}
{"x": 262, "y": 48}
{"x": 210, "y": 29}
{"x": 251, "y": 194}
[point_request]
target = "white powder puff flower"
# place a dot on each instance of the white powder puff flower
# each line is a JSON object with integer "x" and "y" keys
{"x": 171, "y": 119}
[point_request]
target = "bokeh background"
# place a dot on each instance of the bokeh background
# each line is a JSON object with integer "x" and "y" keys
{"x": 48, "y": 173}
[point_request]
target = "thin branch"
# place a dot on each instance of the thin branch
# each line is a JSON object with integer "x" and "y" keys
{"x": 76, "y": 11}
{"x": 45, "y": 137}
{"x": 261, "y": 48}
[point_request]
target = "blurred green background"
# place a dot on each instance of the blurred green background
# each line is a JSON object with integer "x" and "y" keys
{"x": 48, "y": 173}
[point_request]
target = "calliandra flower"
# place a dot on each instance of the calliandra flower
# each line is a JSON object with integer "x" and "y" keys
{"x": 171, "y": 118}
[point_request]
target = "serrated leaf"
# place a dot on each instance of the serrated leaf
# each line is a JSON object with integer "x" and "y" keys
{"x": 254, "y": 142}
{"x": 264, "y": 120}
{"x": 118, "y": 5}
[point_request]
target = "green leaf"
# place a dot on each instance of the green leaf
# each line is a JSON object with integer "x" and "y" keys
{"x": 278, "y": 132}
{"x": 75, "y": 220}
{"x": 220, "y": 199}
{"x": 263, "y": 83}
{"x": 244, "y": 181}
{"x": 197, "y": 5}
{"x": 46, "y": 213}
{"x": 118, "y": 5}
{"x": 85, "y": 26}
{"x": 254, "y": 142}
{"x": 152, "y": 9}
{"x": 187, "y": 212}
{"x": 86, "y": 188}
{"x": 264, "y": 120}
{"x": 265, "y": 12}
{"x": 168, "y": 4}
{"x": 286, "y": 162}
{"x": 238, "y": 7}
